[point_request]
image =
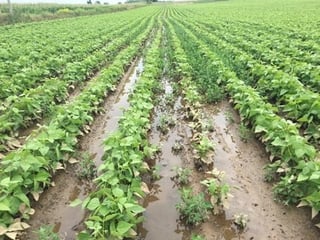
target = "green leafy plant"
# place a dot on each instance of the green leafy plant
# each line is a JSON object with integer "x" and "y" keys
{"x": 218, "y": 191}
{"x": 194, "y": 209}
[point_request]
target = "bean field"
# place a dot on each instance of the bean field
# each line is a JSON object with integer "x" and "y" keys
{"x": 170, "y": 121}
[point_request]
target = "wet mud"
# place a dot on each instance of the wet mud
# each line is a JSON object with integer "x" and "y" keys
{"x": 243, "y": 159}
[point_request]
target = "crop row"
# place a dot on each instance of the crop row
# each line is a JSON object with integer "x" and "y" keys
{"x": 295, "y": 101}
{"x": 272, "y": 52}
{"x": 38, "y": 101}
{"x": 114, "y": 208}
{"x": 48, "y": 51}
{"x": 293, "y": 23}
{"x": 294, "y": 159}
{"x": 26, "y": 172}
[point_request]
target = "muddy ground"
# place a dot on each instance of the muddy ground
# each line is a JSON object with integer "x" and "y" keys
{"x": 243, "y": 162}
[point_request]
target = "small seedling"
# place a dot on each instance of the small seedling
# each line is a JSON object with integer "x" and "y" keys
{"x": 194, "y": 209}
{"x": 182, "y": 175}
{"x": 241, "y": 220}
{"x": 46, "y": 233}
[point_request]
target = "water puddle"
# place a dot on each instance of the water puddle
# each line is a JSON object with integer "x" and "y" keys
{"x": 53, "y": 208}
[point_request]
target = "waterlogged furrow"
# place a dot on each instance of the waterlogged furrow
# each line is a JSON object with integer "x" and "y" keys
{"x": 282, "y": 139}
{"x": 26, "y": 172}
{"x": 39, "y": 102}
{"x": 114, "y": 208}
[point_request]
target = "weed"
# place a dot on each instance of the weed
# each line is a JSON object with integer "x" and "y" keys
{"x": 182, "y": 175}
{"x": 194, "y": 209}
{"x": 46, "y": 233}
{"x": 245, "y": 133}
{"x": 213, "y": 93}
{"x": 87, "y": 168}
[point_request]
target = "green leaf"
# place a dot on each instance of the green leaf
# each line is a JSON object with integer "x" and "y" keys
{"x": 117, "y": 192}
{"x": 134, "y": 208}
{"x": 84, "y": 236}
{"x": 93, "y": 204}
{"x": 123, "y": 227}
{"x": 4, "y": 207}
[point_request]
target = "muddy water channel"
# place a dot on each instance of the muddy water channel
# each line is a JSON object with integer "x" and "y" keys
{"x": 53, "y": 206}
{"x": 242, "y": 158}
{"x": 168, "y": 128}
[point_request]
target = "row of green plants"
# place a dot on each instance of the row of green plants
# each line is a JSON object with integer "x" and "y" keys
{"x": 295, "y": 101}
{"x": 265, "y": 51}
{"x": 30, "y": 67}
{"x": 295, "y": 167}
{"x": 286, "y": 48}
{"x": 38, "y": 102}
{"x": 297, "y": 20}
{"x": 35, "y": 52}
{"x": 25, "y": 173}
{"x": 114, "y": 204}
